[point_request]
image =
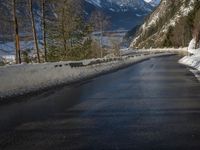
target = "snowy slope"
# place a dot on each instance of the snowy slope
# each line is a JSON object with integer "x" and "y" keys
{"x": 95, "y": 2}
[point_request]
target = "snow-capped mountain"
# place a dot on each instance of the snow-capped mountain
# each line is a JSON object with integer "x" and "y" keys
{"x": 124, "y": 13}
{"x": 122, "y": 5}
{"x": 153, "y": 2}
{"x": 168, "y": 25}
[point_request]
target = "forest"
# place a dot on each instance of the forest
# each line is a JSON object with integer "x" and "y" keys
{"x": 58, "y": 30}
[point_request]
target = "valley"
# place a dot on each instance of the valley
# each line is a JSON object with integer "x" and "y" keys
{"x": 123, "y": 16}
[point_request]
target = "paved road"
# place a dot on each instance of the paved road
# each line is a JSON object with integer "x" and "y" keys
{"x": 151, "y": 105}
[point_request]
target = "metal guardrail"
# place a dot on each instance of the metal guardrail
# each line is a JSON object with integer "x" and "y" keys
{"x": 105, "y": 60}
{"x": 93, "y": 62}
{"x": 76, "y": 64}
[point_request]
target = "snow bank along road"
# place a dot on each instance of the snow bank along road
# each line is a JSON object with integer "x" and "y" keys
{"x": 192, "y": 61}
{"x": 21, "y": 79}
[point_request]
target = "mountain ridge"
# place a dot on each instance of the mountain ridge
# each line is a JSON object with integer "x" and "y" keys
{"x": 160, "y": 29}
{"x": 123, "y": 13}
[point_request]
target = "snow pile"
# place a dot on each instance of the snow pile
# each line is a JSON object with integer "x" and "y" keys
{"x": 21, "y": 79}
{"x": 191, "y": 48}
{"x": 193, "y": 59}
{"x": 194, "y": 62}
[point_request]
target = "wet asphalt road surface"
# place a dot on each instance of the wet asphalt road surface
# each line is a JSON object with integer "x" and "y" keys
{"x": 148, "y": 106}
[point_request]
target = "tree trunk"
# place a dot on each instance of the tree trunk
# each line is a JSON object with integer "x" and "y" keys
{"x": 16, "y": 34}
{"x": 44, "y": 29}
{"x": 34, "y": 30}
{"x": 101, "y": 40}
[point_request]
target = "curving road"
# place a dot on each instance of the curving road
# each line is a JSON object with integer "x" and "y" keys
{"x": 151, "y": 105}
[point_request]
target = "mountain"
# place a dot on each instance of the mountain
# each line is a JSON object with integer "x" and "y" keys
{"x": 170, "y": 25}
{"x": 121, "y": 5}
{"x": 124, "y": 14}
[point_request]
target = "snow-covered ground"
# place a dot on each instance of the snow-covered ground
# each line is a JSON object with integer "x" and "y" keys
{"x": 110, "y": 37}
{"x": 8, "y": 48}
{"x": 192, "y": 59}
{"x": 21, "y": 79}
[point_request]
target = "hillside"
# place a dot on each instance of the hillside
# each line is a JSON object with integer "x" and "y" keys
{"x": 170, "y": 25}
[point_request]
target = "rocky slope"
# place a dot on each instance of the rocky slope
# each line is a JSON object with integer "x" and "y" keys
{"x": 170, "y": 25}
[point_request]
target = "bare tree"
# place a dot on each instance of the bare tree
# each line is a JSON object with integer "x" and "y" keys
{"x": 101, "y": 23}
{"x": 116, "y": 46}
{"x": 34, "y": 30}
{"x": 16, "y": 33}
